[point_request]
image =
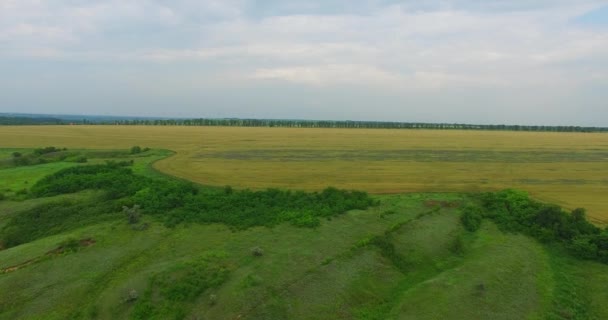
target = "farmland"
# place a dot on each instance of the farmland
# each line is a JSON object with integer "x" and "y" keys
{"x": 70, "y": 254}
{"x": 570, "y": 169}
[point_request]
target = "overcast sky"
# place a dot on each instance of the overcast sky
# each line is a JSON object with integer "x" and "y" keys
{"x": 472, "y": 61}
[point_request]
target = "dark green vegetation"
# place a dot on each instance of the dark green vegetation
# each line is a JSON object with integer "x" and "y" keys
{"x": 4, "y": 120}
{"x": 514, "y": 211}
{"x": 233, "y": 122}
{"x": 84, "y": 250}
{"x": 41, "y": 156}
{"x": 172, "y": 201}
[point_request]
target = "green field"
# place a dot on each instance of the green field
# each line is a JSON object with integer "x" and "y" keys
{"x": 341, "y": 269}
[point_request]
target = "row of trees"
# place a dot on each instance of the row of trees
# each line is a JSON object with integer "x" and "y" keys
{"x": 232, "y": 122}
{"x": 4, "y": 120}
{"x": 351, "y": 124}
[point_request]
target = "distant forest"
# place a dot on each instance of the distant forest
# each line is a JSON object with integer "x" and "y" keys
{"x": 293, "y": 124}
{"x": 29, "y": 121}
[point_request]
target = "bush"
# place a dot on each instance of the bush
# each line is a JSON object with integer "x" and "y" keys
{"x": 471, "y": 218}
{"x": 135, "y": 149}
{"x": 584, "y": 248}
{"x": 132, "y": 213}
{"x": 46, "y": 150}
{"x": 515, "y": 211}
{"x": 17, "y": 154}
{"x": 2, "y": 196}
{"x": 177, "y": 201}
{"x": 70, "y": 245}
{"x": 306, "y": 220}
{"x": 257, "y": 251}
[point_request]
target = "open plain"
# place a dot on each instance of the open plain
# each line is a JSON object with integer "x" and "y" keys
{"x": 569, "y": 169}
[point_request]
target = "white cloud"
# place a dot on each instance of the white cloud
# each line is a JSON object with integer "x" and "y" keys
{"x": 401, "y": 46}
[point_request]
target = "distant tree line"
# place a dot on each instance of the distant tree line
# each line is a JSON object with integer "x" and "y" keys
{"x": 29, "y": 121}
{"x": 352, "y": 124}
{"x": 233, "y": 122}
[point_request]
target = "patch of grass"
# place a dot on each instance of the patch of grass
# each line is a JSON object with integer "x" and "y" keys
{"x": 170, "y": 292}
{"x": 497, "y": 280}
{"x": 53, "y": 218}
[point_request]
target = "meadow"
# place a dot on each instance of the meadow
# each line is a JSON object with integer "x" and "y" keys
{"x": 405, "y": 256}
{"x": 569, "y": 169}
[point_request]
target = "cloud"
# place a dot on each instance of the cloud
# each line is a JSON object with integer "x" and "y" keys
{"x": 388, "y": 47}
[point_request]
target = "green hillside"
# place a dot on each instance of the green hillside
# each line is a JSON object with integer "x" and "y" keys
{"x": 78, "y": 254}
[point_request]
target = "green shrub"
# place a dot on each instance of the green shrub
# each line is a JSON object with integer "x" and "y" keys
{"x": 306, "y": 220}
{"x": 471, "y": 218}
{"x": 47, "y": 150}
{"x": 135, "y": 149}
{"x": 175, "y": 202}
{"x": 257, "y": 251}
{"x": 514, "y": 211}
{"x": 70, "y": 245}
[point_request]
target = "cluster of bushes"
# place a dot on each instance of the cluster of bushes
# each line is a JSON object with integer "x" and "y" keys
{"x": 114, "y": 177}
{"x": 471, "y": 218}
{"x": 243, "y": 209}
{"x": 138, "y": 149}
{"x": 172, "y": 201}
{"x": 179, "y": 201}
{"x": 46, "y": 155}
{"x": 514, "y": 211}
{"x": 46, "y": 150}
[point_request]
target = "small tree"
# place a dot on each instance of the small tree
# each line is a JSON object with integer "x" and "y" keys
{"x": 132, "y": 213}
{"x": 135, "y": 149}
{"x": 16, "y": 154}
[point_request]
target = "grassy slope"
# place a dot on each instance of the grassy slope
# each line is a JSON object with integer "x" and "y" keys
{"x": 333, "y": 271}
{"x": 503, "y": 277}
{"x": 565, "y": 168}
{"x": 306, "y": 274}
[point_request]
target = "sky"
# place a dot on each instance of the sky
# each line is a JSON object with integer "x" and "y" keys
{"x": 464, "y": 61}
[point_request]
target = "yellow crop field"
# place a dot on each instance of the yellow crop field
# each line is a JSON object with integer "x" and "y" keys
{"x": 570, "y": 169}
